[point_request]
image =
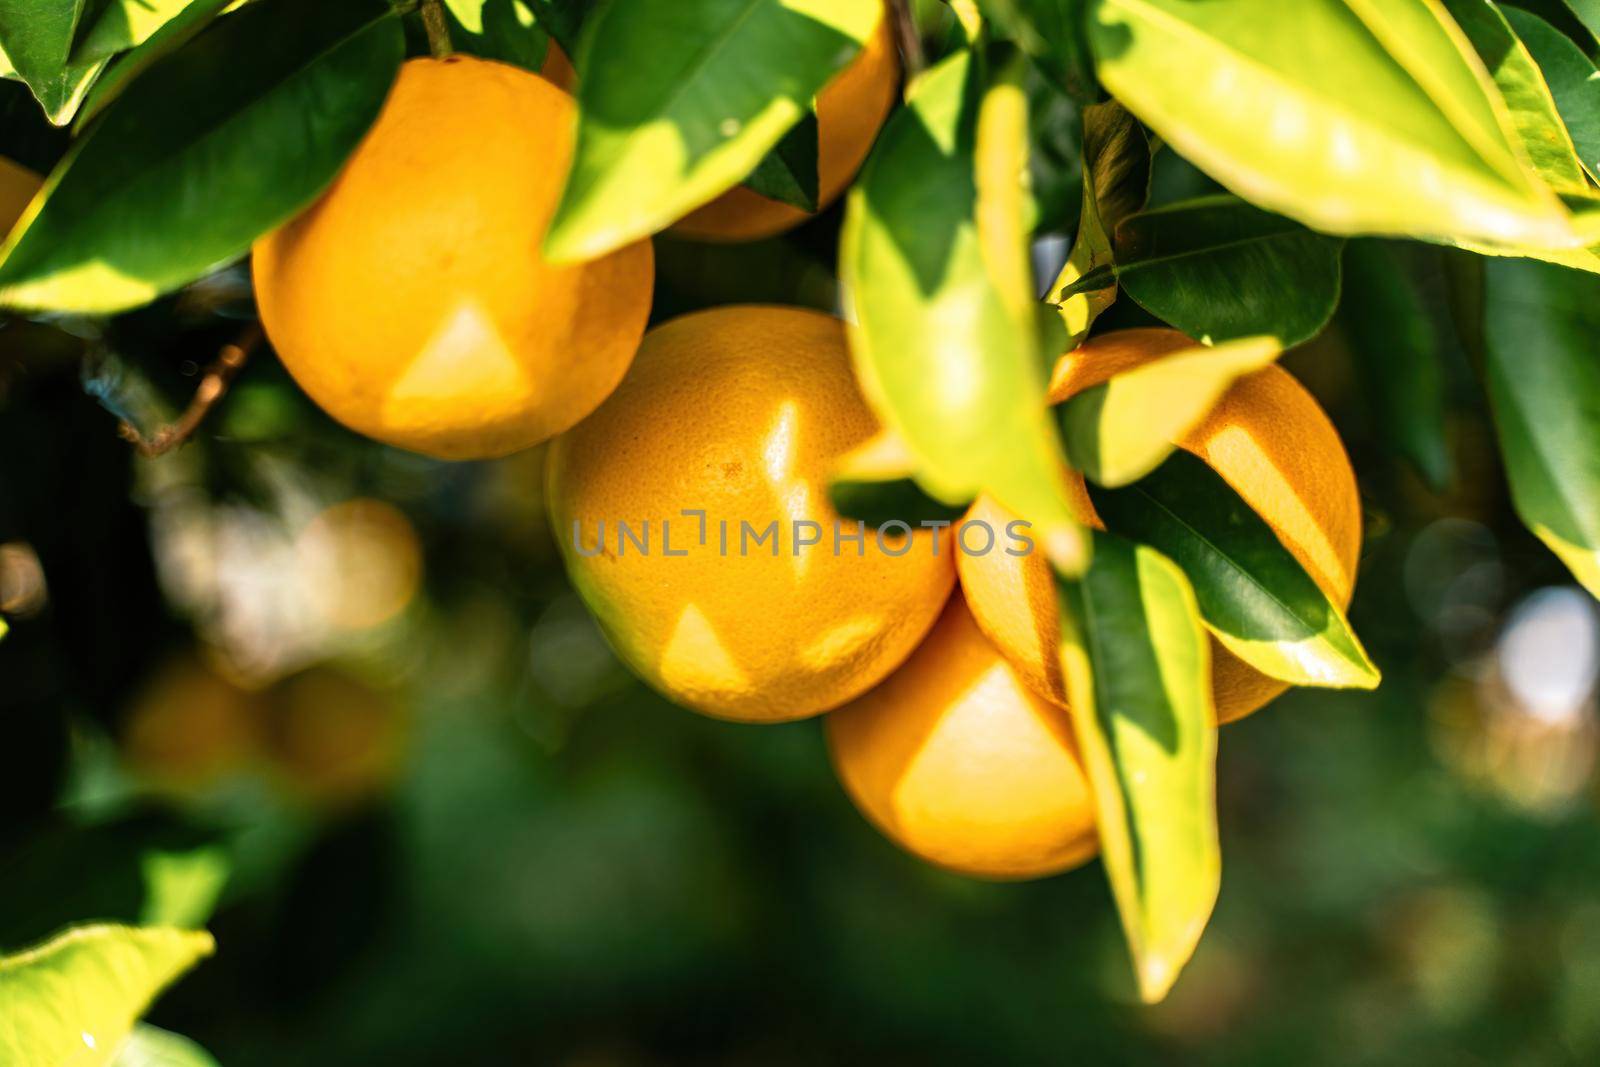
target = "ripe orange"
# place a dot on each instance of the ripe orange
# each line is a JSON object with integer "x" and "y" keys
{"x": 411, "y": 301}
{"x": 850, "y": 110}
{"x": 957, "y": 761}
{"x": 1267, "y": 438}
{"x": 739, "y": 412}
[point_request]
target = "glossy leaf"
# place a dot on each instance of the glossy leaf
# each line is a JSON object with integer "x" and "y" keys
{"x": 1395, "y": 346}
{"x": 125, "y": 24}
{"x": 206, "y": 151}
{"x": 563, "y": 20}
{"x": 1055, "y": 163}
{"x": 1533, "y": 113}
{"x": 1116, "y": 183}
{"x": 1217, "y": 269}
{"x": 150, "y": 870}
{"x": 1120, "y": 430}
{"x": 888, "y": 500}
{"x": 1540, "y": 325}
{"x": 1352, "y": 116}
{"x": 945, "y": 337}
{"x": 1572, "y": 78}
{"x": 1254, "y": 595}
{"x": 1587, "y": 12}
{"x": 70, "y": 1001}
{"x": 37, "y": 37}
{"x": 692, "y": 95}
{"x": 503, "y": 30}
{"x": 1138, "y": 671}
{"x": 166, "y": 39}
{"x": 151, "y": 1046}
{"x": 1054, "y": 34}
{"x": 788, "y": 173}
{"x": 876, "y": 483}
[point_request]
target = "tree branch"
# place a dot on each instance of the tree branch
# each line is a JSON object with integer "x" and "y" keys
{"x": 218, "y": 376}
{"x": 905, "y": 27}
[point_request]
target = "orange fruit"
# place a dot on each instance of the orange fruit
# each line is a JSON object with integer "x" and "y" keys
{"x": 850, "y": 110}
{"x": 740, "y": 412}
{"x": 1267, "y": 438}
{"x": 412, "y": 302}
{"x": 958, "y": 762}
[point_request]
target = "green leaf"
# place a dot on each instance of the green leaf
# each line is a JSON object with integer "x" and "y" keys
{"x": 1396, "y": 353}
{"x": 1218, "y": 269}
{"x": 876, "y": 483}
{"x": 563, "y": 20}
{"x": 150, "y": 1046}
{"x": 1533, "y": 113}
{"x": 1352, "y": 116}
{"x": 150, "y": 870}
{"x": 789, "y": 172}
{"x": 1120, "y": 430}
{"x": 1138, "y": 673}
{"x": 945, "y": 333}
{"x": 888, "y": 500}
{"x": 1055, "y": 156}
{"x": 168, "y": 38}
{"x": 1116, "y": 183}
{"x": 1540, "y": 325}
{"x": 690, "y": 98}
{"x": 1054, "y": 34}
{"x": 1573, "y": 81}
{"x": 1254, "y": 595}
{"x": 125, "y": 24}
{"x": 1587, "y": 12}
{"x": 37, "y": 37}
{"x": 503, "y": 30}
{"x": 70, "y": 1001}
{"x": 209, "y": 149}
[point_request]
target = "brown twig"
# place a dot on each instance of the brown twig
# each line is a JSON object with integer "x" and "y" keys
{"x": 905, "y": 27}
{"x": 438, "y": 30}
{"x": 218, "y": 376}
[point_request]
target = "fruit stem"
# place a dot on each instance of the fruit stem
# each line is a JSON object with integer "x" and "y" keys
{"x": 905, "y": 26}
{"x": 438, "y": 31}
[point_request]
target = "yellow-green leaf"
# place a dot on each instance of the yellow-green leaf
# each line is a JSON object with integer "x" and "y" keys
{"x": 1138, "y": 671}
{"x": 1255, "y": 596}
{"x": 945, "y": 336}
{"x": 691, "y": 96}
{"x": 150, "y": 1046}
{"x": 1573, "y": 82}
{"x": 1116, "y": 183}
{"x": 1540, "y": 325}
{"x": 1533, "y": 112}
{"x": 70, "y": 1001}
{"x": 1121, "y": 430}
{"x": 1353, "y": 117}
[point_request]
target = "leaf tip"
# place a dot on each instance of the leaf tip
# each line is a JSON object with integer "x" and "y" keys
{"x": 1157, "y": 974}
{"x": 1067, "y": 548}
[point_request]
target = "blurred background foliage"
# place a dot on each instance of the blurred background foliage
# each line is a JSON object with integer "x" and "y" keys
{"x": 344, "y": 695}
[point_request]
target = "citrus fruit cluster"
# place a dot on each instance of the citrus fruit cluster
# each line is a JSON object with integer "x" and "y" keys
{"x": 689, "y": 467}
